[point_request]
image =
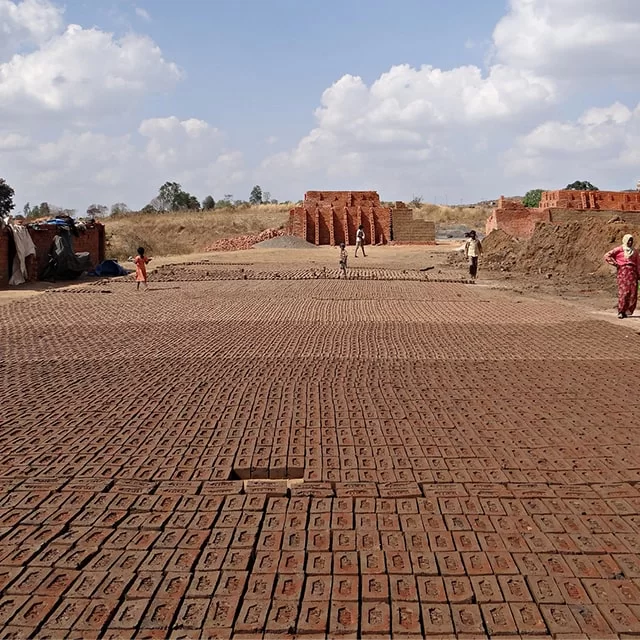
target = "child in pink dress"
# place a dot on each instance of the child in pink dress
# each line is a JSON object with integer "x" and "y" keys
{"x": 141, "y": 262}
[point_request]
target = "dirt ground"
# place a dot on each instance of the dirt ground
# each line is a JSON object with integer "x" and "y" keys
{"x": 256, "y": 450}
{"x": 593, "y": 293}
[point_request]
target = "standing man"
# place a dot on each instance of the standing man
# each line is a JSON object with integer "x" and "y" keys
{"x": 360, "y": 241}
{"x": 472, "y": 251}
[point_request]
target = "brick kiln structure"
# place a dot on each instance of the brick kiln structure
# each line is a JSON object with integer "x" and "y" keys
{"x": 591, "y": 200}
{"x": 560, "y": 207}
{"x": 332, "y": 217}
{"x": 91, "y": 240}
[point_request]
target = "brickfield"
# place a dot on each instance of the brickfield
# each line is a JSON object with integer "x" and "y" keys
{"x": 366, "y": 458}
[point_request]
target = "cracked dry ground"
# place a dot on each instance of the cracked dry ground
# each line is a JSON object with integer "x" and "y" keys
{"x": 470, "y": 465}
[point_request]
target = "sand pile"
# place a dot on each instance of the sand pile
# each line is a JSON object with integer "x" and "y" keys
{"x": 575, "y": 248}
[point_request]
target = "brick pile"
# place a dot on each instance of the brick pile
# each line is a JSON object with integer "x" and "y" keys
{"x": 240, "y": 243}
{"x": 587, "y": 200}
{"x": 330, "y": 459}
{"x": 562, "y": 207}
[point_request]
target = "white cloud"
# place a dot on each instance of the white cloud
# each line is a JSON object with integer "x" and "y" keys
{"x": 13, "y": 141}
{"x": 464, "y": 131}
{"x": 421, "y": 126}
{"x": 143, "y": 13}
{"x": 30, "y": 22}
{"x": 602, "y": 141}
{"x": 83, "y": 71}
{"x": 571, "y": 38}
{"x": 425, "y": 128}
{"x": 78, "y": 168}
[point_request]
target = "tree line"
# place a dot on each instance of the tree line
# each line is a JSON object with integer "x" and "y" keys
{"x": 171, "y": 197}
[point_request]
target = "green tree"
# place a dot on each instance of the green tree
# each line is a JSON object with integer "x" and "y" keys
{"x": 532, "y": 198}
{"x": 186, "y": 202}
{"x": 226, "y": 202}
{"x": 6, "y": 198}
{"x": 208, "y": 203}
{"x": 119, "y": 208}
{"x": 579, "y": 185}
{"x": 26, "y": 210}
{"x": 172, "y": 197}
{"x": 168, "y": 195}
{"x": 97, "y": 211}
{"x": 256, "y": 195}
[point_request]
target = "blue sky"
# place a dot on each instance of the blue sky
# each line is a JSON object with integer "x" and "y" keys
{"x": 460, "y": 100}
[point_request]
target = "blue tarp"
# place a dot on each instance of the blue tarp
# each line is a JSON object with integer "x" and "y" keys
{"x": 109, "y": 269}
{"x": 58, "y": 221}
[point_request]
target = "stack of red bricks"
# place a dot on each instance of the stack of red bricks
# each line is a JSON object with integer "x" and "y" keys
{"x": 240, "y": 243}
{"x": 333, "y": 217}
{"x": 585, "y": 200}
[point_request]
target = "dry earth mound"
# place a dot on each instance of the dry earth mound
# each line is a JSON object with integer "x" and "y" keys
{"x": 573, "y": 248}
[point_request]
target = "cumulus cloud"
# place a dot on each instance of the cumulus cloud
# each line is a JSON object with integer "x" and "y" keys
{"x": 465, "y": 131}
{"x": 13, "y": 141}
{"x": 570, "y": 38}
{"x": 83, "y": 71}
{"x": 606, "y": 140}
{"x": 143, "y": 13}
{"x": 77, "y": 168}
{"x": 411, "y": 123}
{"x": 191, "y": 150}
{"x": 427, "y": 128}
{"x": 26, "y": 23}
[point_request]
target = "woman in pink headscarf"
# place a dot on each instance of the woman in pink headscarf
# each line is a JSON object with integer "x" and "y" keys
{"x": 627, "y": 261}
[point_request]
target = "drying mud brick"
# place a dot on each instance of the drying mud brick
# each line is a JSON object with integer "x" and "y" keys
{"x": 319, "y": 459}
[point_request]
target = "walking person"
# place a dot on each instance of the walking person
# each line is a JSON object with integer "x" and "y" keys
{"x": 343, "y": 261}
{"x": 472, "y": 251}
{"x": 141, "y": 261}
{"x": 360, "y": 241}
{"x": 626, "y": 260}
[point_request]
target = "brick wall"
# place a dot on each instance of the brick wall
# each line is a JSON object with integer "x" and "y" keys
{"x": 91, "y": 240}
{"x": 586, "y": 200}
{"x": 515, "y": 219}
{"x": 519, "y": 221}
{"x": 408, "y": 230}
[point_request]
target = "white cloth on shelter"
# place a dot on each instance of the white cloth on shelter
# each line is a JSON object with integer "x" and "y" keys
{"x": 24, "y": 247}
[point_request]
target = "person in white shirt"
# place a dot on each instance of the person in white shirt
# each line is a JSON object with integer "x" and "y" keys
{"x": 360, "y": 241}
{"x": 472, "y": 251}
